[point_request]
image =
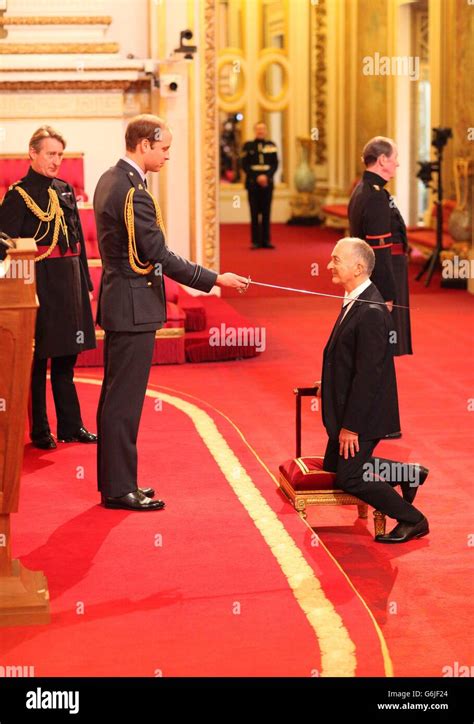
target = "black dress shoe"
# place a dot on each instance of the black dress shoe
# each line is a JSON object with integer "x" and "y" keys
{"x": 132, "y": 501}
{"x": 410, "y": 489}
{"x": 82, "y": 435}
{"x": 149, "y": 492}
{"x": 44, "y": 442}
{"x": 268, "y": 246}
{"x": 404, "y": 532}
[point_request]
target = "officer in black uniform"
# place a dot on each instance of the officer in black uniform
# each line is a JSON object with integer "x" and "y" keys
{"x": 260, "y": 161}
{"x": 43, "y": 207}
{"x": 132, "y": 304}
{"x": 374, "y": 217}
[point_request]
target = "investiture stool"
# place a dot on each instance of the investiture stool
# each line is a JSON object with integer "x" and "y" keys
{"x": 43, "y": 207}
{"x": 359, "y": 397}
{"x": 132, "y": 304}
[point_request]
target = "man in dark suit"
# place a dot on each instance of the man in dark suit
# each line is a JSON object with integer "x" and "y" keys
{"x": 43, "y": 207}
{"x": 374, "y": 217}
{"x": 260, "y": 161}
{"x": 359, "y": 397}
{"x": 132, "y": 304}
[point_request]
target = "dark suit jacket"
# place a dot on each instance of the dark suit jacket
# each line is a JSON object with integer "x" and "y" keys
{"x": 131, "y": 302}
{"x": 359, "y": 387}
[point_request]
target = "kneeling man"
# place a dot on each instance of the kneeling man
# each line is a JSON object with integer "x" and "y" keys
{"x": 359, "y": 397}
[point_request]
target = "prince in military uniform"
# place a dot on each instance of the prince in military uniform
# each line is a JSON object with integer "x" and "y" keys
{"x": 132, "y": 304}
{"x": 374, "y": 217}
{"x": 260, "y": 161}
{"x": 43, "y": 207}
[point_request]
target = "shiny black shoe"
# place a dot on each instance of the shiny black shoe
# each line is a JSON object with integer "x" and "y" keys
{"x": 82, "y": 435}
{"x": 410, "y": 489}
{"x": 149, "y": 492}
{"x": 132, "y": 501}
{"x": 44, "y": 442}
{"x": 268, "y": 246}
{"x": 404, "y": 532}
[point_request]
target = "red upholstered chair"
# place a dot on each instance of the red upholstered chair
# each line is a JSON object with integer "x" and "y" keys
{"x": 336, "y": 215}
{"x": 305, "y": 483}
{"x": 14, "y": 166}
{"x": 423, "y": 238}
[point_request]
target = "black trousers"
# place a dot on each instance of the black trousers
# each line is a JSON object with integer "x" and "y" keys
{"x": 66, "y": 402}
{"x": 127, "y": 362}
{"x": 351, "y": 476}
{"x": 260, "y": 201}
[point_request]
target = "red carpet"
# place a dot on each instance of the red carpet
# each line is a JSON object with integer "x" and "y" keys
{"x": 215, "y": 585}
{"x": 174, "y": 607}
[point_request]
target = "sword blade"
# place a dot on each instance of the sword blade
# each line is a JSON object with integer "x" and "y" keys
{"x": 318, "y": 294}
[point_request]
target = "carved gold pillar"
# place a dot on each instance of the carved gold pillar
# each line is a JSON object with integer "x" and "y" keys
{"x": 343, "y": 72}
{"x": 209, "y": 135}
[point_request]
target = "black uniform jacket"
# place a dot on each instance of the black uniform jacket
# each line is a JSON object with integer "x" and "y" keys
{"x": 131, "y": 302}
{"x": 64, "y": 323}
{"x": 370, "y": 215}
{"x": 259, "y": 157}
{"x": 359, "y": 387}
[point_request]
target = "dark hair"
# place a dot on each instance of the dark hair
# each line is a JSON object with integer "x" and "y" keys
{"x": 376, "y": 147}
{"x": 145, "y": 126}
{"x": 45, "y": 132}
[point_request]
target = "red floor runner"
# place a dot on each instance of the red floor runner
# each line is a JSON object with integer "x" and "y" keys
{"x": 191, "y": 591}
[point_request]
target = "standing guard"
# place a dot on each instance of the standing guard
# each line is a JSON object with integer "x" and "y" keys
{"x": 42, "y": 207}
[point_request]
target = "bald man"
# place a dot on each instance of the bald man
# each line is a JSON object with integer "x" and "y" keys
{"x": 359, "y": 397}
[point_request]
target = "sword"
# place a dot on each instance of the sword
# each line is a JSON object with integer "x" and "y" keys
{"x": 316, "y": 294}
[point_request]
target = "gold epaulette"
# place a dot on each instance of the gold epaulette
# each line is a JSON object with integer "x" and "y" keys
{"x": 15, "y": 183}
{"x": 138, "y": 266}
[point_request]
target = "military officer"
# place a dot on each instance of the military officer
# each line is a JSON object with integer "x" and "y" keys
{"x": 374, "y": 217}
{"x": 43, "y": 207}
{"x": 132, "y": 304}
{"x": 260, "y": 161}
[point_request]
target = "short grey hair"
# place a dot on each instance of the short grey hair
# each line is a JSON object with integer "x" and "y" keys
{"x": 377, "y": 146}
{"x": 361, "y": 251}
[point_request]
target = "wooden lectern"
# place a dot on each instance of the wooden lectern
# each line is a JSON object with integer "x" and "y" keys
{"x": 24, "y": 596}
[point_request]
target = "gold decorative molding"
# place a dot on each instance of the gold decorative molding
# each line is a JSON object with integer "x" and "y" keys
{"x": 57, "y": 20}
{"x": 62, "y": 105}
{"x": 319, "y": 78}
{"x": 61, "y": 85}
{"x": 210, "y": 165}
{"x": 56, "y": 48}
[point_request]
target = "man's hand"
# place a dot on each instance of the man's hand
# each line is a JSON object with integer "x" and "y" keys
{"x": 234, "y": 281}
{"x": 348, "y": 443}
{"x": 262, "y": 180}
{"x": 389, "y": 305}
{"x": 318, "y": 385}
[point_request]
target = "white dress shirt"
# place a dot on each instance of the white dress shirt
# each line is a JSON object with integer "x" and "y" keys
{"x": 350, "y": 297}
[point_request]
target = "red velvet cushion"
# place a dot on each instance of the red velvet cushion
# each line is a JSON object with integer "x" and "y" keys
{"x": 427, "y": 237}
{"x": 15, "y": 166}
{"x": 90, "y": 232}
{"x": 307, "y": 473}
{"x": 339, "y": 210}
